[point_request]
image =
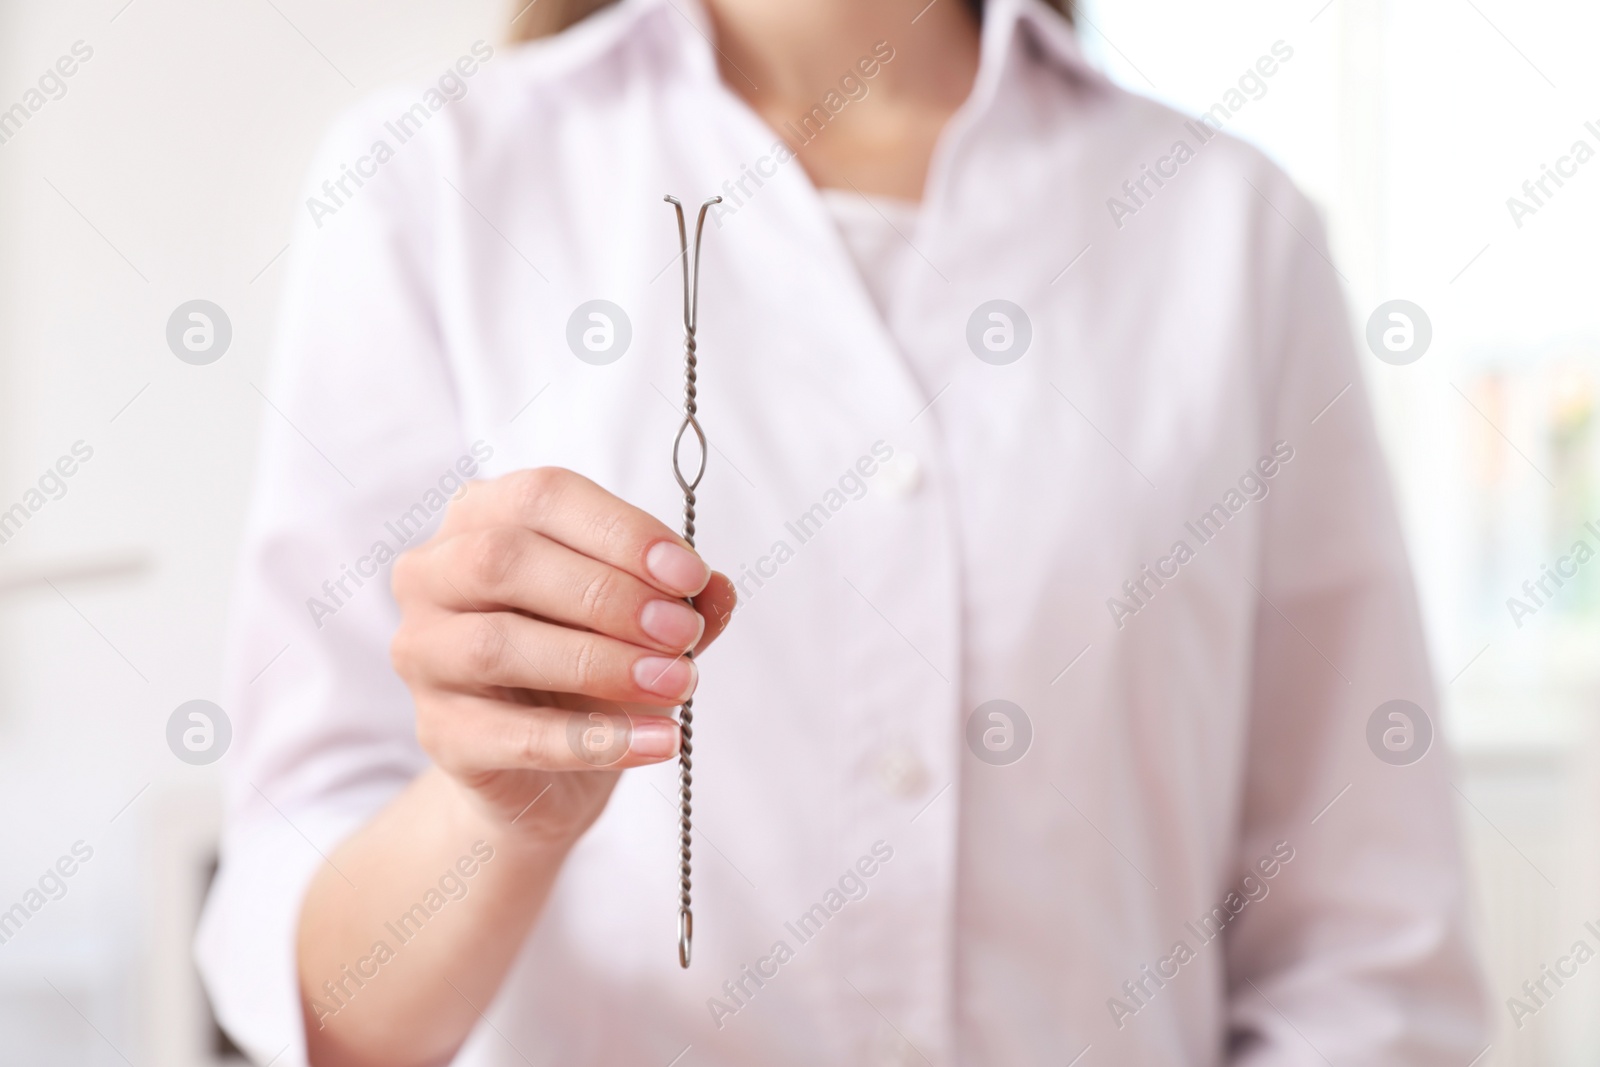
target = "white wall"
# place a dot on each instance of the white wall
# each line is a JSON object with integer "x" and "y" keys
{"x": 175, "y": 157}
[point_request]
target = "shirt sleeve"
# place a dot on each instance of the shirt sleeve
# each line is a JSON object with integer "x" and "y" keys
{"x": 1360, "y": 953}
{"x": 360, "y": 448}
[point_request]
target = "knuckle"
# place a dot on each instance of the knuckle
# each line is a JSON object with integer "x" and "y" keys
{"x": 538, "y": 488}
{"x": 534, "y": 743}
{"x": 612, "y": 531}
{"x": 438, "y": 733}
{"x": 493, "y": 557}
{"x": 483, "y": 648}
{"x": 403, "y": 576}
{"x": 586, "y": 666}
{"x": 411, "y": 650}
{"x": 600, "y": 594}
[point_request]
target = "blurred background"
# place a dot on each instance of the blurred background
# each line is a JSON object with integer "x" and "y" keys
{"x": 165, "y": 170}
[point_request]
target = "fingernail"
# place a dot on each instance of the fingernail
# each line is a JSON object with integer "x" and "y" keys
{"x": 674, "y": 624}
{"x": 673, "y": 678}
{"x": 653, "y": 738}
{"x": 677, "y": 568}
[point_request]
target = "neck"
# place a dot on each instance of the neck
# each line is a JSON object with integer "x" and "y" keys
{"x": 799, "y": 49}
{"x": 787, "y": 57}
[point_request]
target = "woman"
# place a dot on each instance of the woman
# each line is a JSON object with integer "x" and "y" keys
{"x": 1041, "y": 472}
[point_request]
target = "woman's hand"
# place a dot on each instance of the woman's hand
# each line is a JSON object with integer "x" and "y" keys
{"x": 543, "y": 635}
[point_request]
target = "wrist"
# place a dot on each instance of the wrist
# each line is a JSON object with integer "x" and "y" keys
{"x": 519, "y": 836}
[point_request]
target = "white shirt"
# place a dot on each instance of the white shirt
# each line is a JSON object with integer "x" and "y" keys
{"x": 876, "y": 232}
{"x": 1187, "y": 731}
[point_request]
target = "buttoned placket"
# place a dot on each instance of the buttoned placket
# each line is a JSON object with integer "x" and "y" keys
{"x": 900, "y": 619}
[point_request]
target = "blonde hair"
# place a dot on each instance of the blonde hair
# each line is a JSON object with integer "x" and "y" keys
{"x": 545, "y": 17}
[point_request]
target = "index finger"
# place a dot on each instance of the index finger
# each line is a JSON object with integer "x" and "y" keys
{"x": 572, "y": 510}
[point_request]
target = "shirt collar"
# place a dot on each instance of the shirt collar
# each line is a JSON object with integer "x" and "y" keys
{"x": 1016, "y": 33}
{"x": 1009, "y": 28}
{"x": 679, "y": 28}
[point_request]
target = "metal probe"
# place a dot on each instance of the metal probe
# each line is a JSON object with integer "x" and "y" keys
{"x": 691, "y": 309}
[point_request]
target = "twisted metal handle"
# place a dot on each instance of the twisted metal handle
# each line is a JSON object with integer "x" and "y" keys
{"x": 691, "y": 311}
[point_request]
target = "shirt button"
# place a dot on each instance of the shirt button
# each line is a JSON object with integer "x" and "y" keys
{"x": 902, "y": 773}
{"x": 900, "y": 475}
